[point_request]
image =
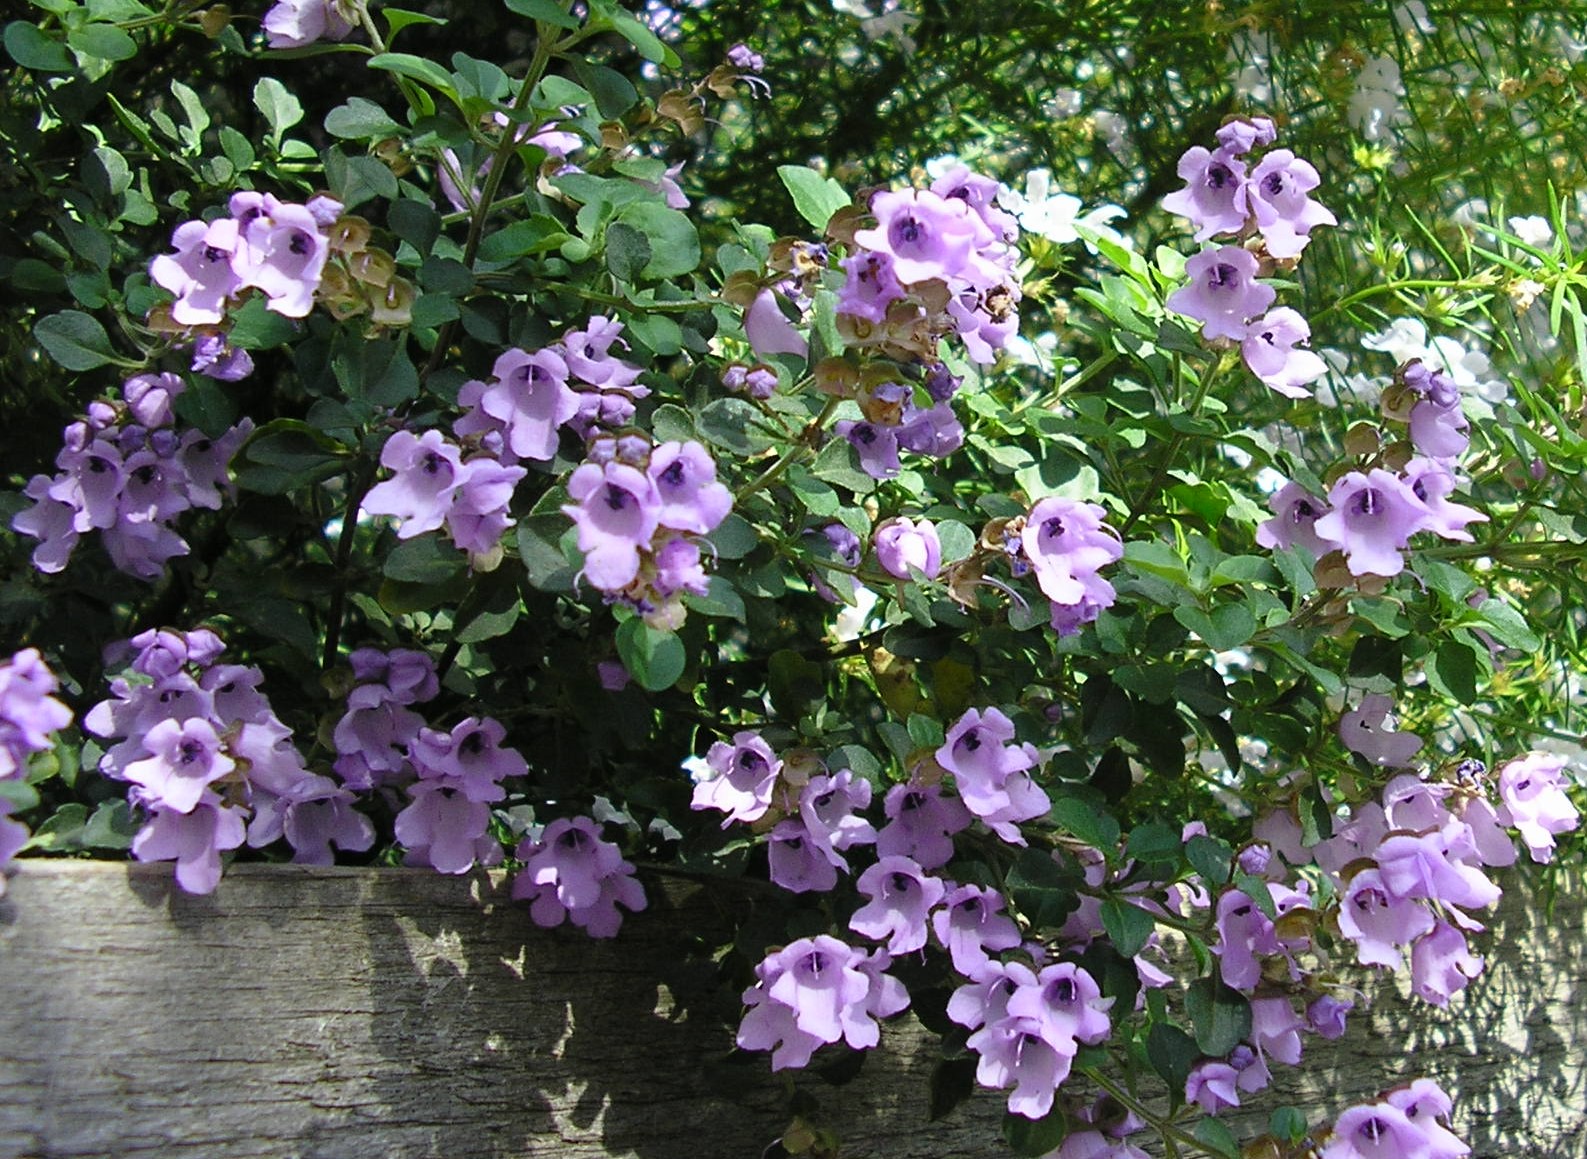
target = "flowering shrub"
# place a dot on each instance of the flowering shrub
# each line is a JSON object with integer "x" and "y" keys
{"x": 464, "y": 500}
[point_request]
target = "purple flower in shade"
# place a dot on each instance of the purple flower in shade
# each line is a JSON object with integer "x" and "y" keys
{"x": 572, "y": 872}
{"x": 200, "y": 273}
{"x": 870, "y": 286}
{"x": 471, "y": 757}
{"x": 1488, "y": 837}
{"x": 528, "y": 400}
{"x": 797, "y": 861}
{"x": 1211, "y": 196}
{"x": 1372, "y": 730}
{"x": 1441, "y": 964}
{"x": 1379, "y": 1131}
{"x": 616, "y": 509}
{"x": 1431, "y": 866}
{"x": 1371, "y": 518}
{"x": 1246, "y": 934}
{"x": 1014, "y": 1054}
{"x": 215, "y": 357}
{"x": 1270, "y": 348}
{"x": 1431, "y": 481}
{"x": 678, "y": 569}
{"x": 981, "y": 194}
{"x": 1326, "y": 1016}
{"x": 313, "y": 815}
{"x": 901, "y": 894}
{"x": 1295, "y": 513}
{"x": 194, "y": 840}
{"x": 1211, "y": 1085}
{"x": 53, "y": 522}
{"x": 829, "y": 806}
{"x": 1439, "y": 428}
{"x": 935, "y": 431}
{"x": 1091, "y": 1144}
{"x": 29, "y": 713}
{"x": 1424, "y": 1103}
{"x": 1238, "y": 137}
{"x": 876, "y": 445}
{"x": 185, "y": 759}
{"x": 769, "y": 332}
{"x": 1066, "y": 543}
{"x": 921, "y": 824}
{"x": 444, "y": 829}
{"x": 906, "y": 548}
{"x": 296, "y": 23}
{"x": 809, "y": 993}
{"x": 1223, "y": 292}
{"x": 985, "y": 1000}
{"x": 992, "y": 773}
{"x": 743, "y": 57}
{"x": 428, "y": 472}
{"x": 478, "y": 516}
{"x": 742, "y": 777}
{"x": 1414, "y": 804}
{"x": 1067, "y": 1004}
{"x": 1278, "y": 196}
{"x": 685, "y": 478}
{"x": 927, "y": 236}
{"x": 1275, "y": 1029}
{"x": 1533, "y": 792}
{"x": 970, "y": 922}
{"x": 284, "y": 255}
{"x": 149, "y": 397}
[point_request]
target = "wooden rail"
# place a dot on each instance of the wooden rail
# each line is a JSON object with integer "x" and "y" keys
{"x": 349, "y": 1013}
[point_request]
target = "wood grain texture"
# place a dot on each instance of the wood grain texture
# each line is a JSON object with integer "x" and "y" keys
{"x": 351, "y": 1013}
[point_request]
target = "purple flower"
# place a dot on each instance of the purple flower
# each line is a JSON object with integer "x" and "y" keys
{"x": 528, "y": 399}
{"x": 1441, "y": 964}
{"x": 809, "y": 993}
{"x": 1278, "y": 196}
{"x": 216, "y": 358}
{"x": 194, "y": 840}
{"x": 1431, "y": 481}
{"x": 1326, "y": 1016}
{"x": 1066, "y": 543}
{"x": 1243, "y": 134}
{"x": 1439, "y": 428}
{"x": 876, "y": 445}
{"x": 572, "y": 872}
{"x": 284, "y": 252}
{"x": 769, "y": 332}
{"x": 616, "y": 509}
{"x": 1372, "y": 730}
{"x": 1533, "y": 793}
{"x": 1424, "y": 1103}
{"x": 744, "y": 57}
{"x": 1371, "y": 518}
{"x": 797, "y": 860}
{"x": 907, "y": 549}
{"x": 1295, "y": 514}
{"x": 992, "y": 773}
{"x": 1223, "y": 292}
{"x": 200, "y": 273}
{"x": 970, "y": 922}
{"x": 1379, "y": 1131}
{"x": 742, "y": 777}
{"x": 927, "y": 236}
{"x": 185, "y": 759}
{"x": 444, "y": 829}
{"x": 29, "y": 713}
{"x": 901, "y": 894}
{"x": 1211, "y": 1086}
{"x": 149, "y": 398}
{"x": 1430, "y": 866}
{"x": 1270, "y": 350}
{"x": 1211, "y": 196}
{"x": 428, "y": 472}
{"x": 685, "y": 478}
{"x": 296, "y": 23}
{"x": 477, "y": 516}
{"x": 921, "y": 825}
{"x": 829, "y": 806}
{"x": 870, "y": 286}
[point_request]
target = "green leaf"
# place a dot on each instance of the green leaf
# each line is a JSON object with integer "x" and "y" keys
{"x": 1453, "y": 671}
{"x": 424, "y": 559}
{"x": 1211, "y": 858}
{"x": 1216, "y": 1136}
{"x": 112, "y": 826}
{"x": 522, "y": 238}
{"x": 1035, "y": 1137}
{"x": 627, "y": 251}
{"x": 102, "y": 42}
{"x": 257, "y": 327}
{"x": 734, "y": 425}
{"x": 1220, "y": 1014}
{"x": 816, "y": 197}
{"x": 654, "y": 658}
{"x": 640, "y": 36}
{"x": 1086, "y": 821}
{"x": 540, "y": 546}
{"x": 1128, "y": 926}
{"x": 544, "y": 10}
{"x": 379, "y": 372}
{"x": 794, "y": 683}
{"x": 399, "y": 18}
{"x": 32, "y": 49}
{"x": 280, "y": 108}
{"x": 359, "y": 120}
{"x": 75, "y": 340}
{"x": 416, "y": 68}
{"x": 354, "y": 180}
{"x": 285, "y": 454}
{"x": 1154, "y": 842}
{"x": 674, "y": 244}
{"x": 1507, "y": 625}
{"x": 1229, "y": 625}
{"x": 1173, "y": 1054}
{"x": 1287, "y": 1124}
{"x": 721, "y": 599}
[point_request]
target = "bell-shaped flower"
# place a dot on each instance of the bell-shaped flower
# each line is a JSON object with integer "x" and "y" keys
{"x": 572, "y": 872}
{"x": 616, "y": 510}
{"x": 927, "y": 236}
{"x": 428, "y": 470}
{"x": 901, "y": 894}
{"x": 908, "y": 548}
{"x": 685, "y": 478}
{"x": 970, "y": 922}
{"x": 921, "y": 824}
{"x": 194, "y": 840}
{"x": 769, "y": 332}
{"x": 1431, "y": 482}
{"x": 529, "y": 399}
{"x": 1533, "y": 791}
{"x": 741, "y": 777}
{"x": 1442, "y": 964}
{"x": 1211, "y": 198}
{"x": 200, "y": 273}
{"x": 1295, "y": 514}
{"x": 1372, "y": 730}
{"x": 797, "y": 861}
{"x": 1223, "y": 293}
{"x": 1371, "y": 518}
{"x": 284, "y": 256}
{"x": 1379, "y": 1131}
{"x": 1278, "y": 196}
{"x": 185, "y": 758}
{"x": 1424, "y": 1103}
{"x": 444, "y": 829}
{"x": 1272, "y": 349}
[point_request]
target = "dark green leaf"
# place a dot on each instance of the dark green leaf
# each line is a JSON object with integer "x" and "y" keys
{"x": 674, "y": 243}
{"x": 75, "y": 340}
{"x": 794, "y": 683}
{"x": 1035, "y": 1137}
{"x": 1453, "y": 671}
{"x": 1128, "y": 926}
{"x": 720, "y": 600}
{"x": 627, "y": 251}
{"x": 424, "y": 559}
{"x": 546, "y": 10}
{"x": 281, "y": 109}
{"x": 360, "y": 119}
{"x": 1216, "y": 1136}
{"x": 1154, "y": 842}
{"x": 32, "y": 49}
{"x": 1211, "y": 858}
{"x": 417, "y": 68}
{"x": 1172, "y": 1054}
{"x": 734, "y": 425}
{"x": 1220, "y": 1014}
{"x": 952, "y": 1082}
{"x": 1086, "y": 821}
{"x": 654, "y": 658}
{"x": 257, "y": 327}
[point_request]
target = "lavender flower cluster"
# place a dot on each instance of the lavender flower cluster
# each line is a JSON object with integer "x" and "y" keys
{"x": 1271, "y": 206}
{"x": 210, "y": 763}
{"x": 29, "y": 717}
{"x": 128, "y": 473}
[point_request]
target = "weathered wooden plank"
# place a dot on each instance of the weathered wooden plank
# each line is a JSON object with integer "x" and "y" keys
{"x": 343, "y": 1013}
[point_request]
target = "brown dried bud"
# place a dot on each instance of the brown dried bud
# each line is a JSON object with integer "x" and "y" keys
{"x": 741, "y": 288}
{"x": 349, "y": 235}
{"x": 614, "y": 137}
{"x": 1332, "y": 572}
{"x": 372, "y": 267}
{"x": 214, "y": 20}
{"x": 679, "y": 107}
{"x": 844, "y": 222}
{"x": 1398, "y": 401}
{"x": 1362, "y": 440}
{"x": 393, "y": 154}
{"x": 394, "y": 307}
{"x": 836, "y": 377}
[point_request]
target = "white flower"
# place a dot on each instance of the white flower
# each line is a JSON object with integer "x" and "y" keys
{"x": 1375, "y": 103}
{"x": 1054, "y": 215}
{"x": 1063, "y": 103}
{"x": 1534, "y": 231}
{"x": 1411, "y": 16}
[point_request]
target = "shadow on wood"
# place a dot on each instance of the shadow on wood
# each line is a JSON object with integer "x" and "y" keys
{"x": 345, "y": 1013}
